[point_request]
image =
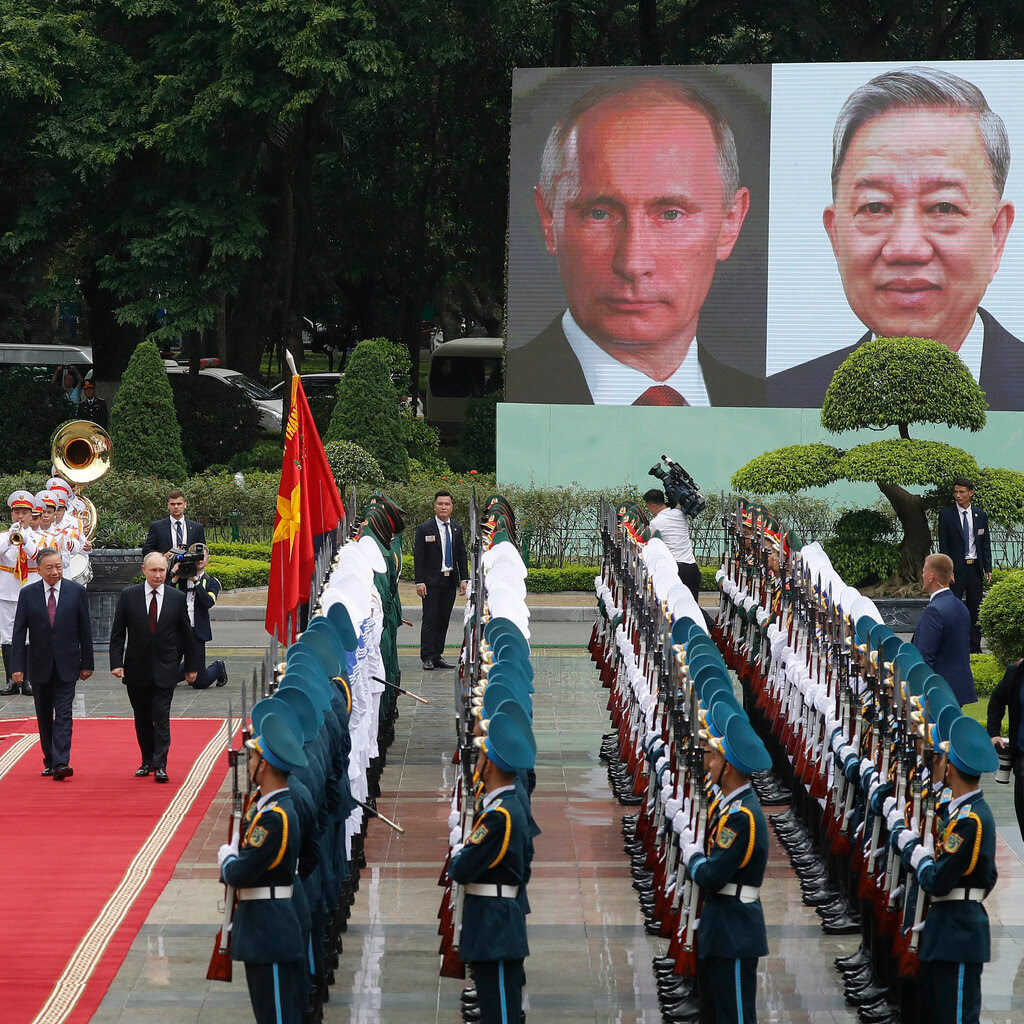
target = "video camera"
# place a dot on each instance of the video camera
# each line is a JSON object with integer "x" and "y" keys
{"x": 187, "y": 562}
{"x": 681, "y": 491}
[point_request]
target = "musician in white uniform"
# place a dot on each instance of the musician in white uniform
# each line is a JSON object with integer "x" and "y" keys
{"x": 17, "y": 561}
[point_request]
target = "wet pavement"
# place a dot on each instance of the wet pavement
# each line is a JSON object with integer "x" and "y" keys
{"x": 590, "y": 957}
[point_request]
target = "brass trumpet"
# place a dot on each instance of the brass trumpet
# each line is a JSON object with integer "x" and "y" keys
{"x": 15, "y": 536}
{"x": 82, "y": 452}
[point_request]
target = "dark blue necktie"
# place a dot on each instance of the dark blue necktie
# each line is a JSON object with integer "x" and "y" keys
{"x": 448, "y": 545}
{"x": 181, "y": 538}
{"x": 967, "y": 536}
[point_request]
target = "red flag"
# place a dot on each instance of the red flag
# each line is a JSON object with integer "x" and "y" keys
{"x": 308, "y": 505}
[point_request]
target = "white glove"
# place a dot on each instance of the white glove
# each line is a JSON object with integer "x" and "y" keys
{"x": 866, "y": 768}
{"x": 831, "y": 723}
{"x": 227, "y": 850}
{"x": 455, "y": 836}
{"x": 690, "y": 850}
{"x": 887, "y": 806}
{"x": 679, "y": 822}
{"x": 920, "y": 853}
{"x": 687, "y": 837}
{"x": 906, "y": 837}
{"x": 874, "y": 788}
{"x": 894, "y": 818}
{"x": 456, "y": 848}
{"x": 672, "y": 808}
{"x": 453, "y": 819}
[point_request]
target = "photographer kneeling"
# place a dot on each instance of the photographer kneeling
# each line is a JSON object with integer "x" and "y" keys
{"x": 201, "y": 592}
{"x": 673, "y": 527}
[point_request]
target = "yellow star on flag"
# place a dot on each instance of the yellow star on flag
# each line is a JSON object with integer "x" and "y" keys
{"x": 289, "y": 516}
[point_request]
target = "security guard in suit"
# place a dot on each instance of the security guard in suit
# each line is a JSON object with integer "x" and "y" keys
{"x": 957, "y": 868}
{"x": 492, "y": 866}
{"x": 266, "y": 934}
{"x": 202, "y": 592}
{"x": 729, "y": 872}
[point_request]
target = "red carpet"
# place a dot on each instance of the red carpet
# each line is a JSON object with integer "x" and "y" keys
{"x": 84, "y": 860}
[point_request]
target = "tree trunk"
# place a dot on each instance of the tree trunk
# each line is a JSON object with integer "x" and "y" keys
{"x": 112, "y": 342}
{"x": 650, "y": 51}
{"x": 917, "y": 538}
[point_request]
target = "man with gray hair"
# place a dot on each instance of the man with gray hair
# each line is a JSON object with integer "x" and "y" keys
{"x": 639, "y": 198}
{"x": 918, "y": 224}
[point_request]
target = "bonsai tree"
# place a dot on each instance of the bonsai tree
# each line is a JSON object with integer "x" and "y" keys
{"x": 143, "y": 423}
{"x": 368, "y": 412}
{"x": 891, "y": 383}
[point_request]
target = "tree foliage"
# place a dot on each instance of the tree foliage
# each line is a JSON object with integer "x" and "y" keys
{"x": 906, "y": 462}
{"x": 368, "y": 411}
{"x": 790, "y": 469}
{"x": 899, "y": 381}
{"x": 1000, "y": 492}
{"x": 1002, "y": 618}
{"x": 353, "y": 466}
{"x": 32, "y": 408}
{"x": 143, "y": 423}
{"x": 217, "y": 423}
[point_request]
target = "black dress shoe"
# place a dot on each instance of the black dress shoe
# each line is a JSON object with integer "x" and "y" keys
{"x": 428, "y": 666}
{"x": 841, "y": 926}
{"x": 866, "y": 994}
{"x": 62, "y": 772}
{"x": 684, "y": 1013}
{"x": 469, "y": 995}
{"x": 223, "y": 681}
{"x": 160, "y": 775}
{"x": 10, "y": 690}
{"x": 441, "y": 663}
{"x": 473, "y": 1015}
{"x": 142, "y": 771}
{"x": 853, "y": 960}
{"x": 46, "y": 773}
{"x": 26, "y": 689}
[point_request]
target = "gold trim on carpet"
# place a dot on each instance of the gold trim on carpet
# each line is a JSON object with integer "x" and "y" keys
{"x": 70, "y": 986}
{"x": 11, "y": 757}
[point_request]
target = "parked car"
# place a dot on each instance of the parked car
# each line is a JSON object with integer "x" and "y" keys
{"x": 460, "y": 370}
{"x": 264, "y": 399}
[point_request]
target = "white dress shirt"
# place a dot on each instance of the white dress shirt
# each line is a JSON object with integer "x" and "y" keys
{"x": 159, "y": 598}
{"x": 55, "y": 590}
{"x": 442, "y": 536}
{"x": 174, "y": 532}
{"x": 615, "y": 383}
{"x": 675, "y": 532}
{"x": 972, "y": 550}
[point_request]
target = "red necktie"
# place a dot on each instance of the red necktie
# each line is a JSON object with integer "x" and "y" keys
{"x": 51, "y": 607}
{"x": 661, "y": 394}
{"x": 152, "y": 612}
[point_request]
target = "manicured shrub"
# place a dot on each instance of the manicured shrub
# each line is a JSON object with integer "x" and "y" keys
{"x": 143, "y": 424}
{"x": 234, "y": 573}
{"x": 353, "y": 466}
{"x": 987, "y": 672}
{"x": 32, "y": 408}
{"x": 1002, "y": 618}
{"x": 217, "y": 423}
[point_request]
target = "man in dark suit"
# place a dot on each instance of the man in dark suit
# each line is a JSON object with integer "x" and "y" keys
{"x": 964, "y": 536}
{"x": 943, "y": 634}
{"x": 918, "y": 224}
{"x": 53, "y": 616}
{"x": 440, "y": 556}
{"x": 201, "y": 593}
{"x": 639, "y": 199}
{"x": 155, "y": 619}
{"x": 174, "y": 532}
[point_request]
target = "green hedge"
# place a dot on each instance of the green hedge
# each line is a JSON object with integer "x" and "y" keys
{"x": 253, "y": 552}
{"x": 987, "y": 672}
{"x": 234, "y": 573}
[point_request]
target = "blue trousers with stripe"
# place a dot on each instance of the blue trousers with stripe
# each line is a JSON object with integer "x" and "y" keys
{"x": 499, "y": 986}
{"x": 952, "y": 992}
{"x": 277, "y": 991}
{"x": 728, "y": 990}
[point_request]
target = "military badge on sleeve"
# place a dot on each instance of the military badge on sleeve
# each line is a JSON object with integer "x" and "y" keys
{"x": 726, "y": 838}
{"x": 257, "y": 836}
{"x": 953, "y": 842}
{"x": 479, "y": 834}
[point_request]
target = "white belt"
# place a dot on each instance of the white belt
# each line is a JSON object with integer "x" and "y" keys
{"x": 975, "y": 895}
{"x": 746, "y": 893}
{"x": 509, "y": 892}
{"x": 266, "y": 892}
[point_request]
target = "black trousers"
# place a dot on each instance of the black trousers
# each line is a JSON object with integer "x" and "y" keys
{"x": 53, "y": 700}
{"x": 970, "y": 590}
{"x": 277, "y": 991}
{"x": 952, "y": 992}
{"x": 208, "y": 674}
{"x": 437, "y": 610}
{"x": 152, "y": 708}
{"x": 728, "y": 990}
{"x": 1018, "y": 791}
{"x": 499, "y": 986}
{"x": 689, "y": 573}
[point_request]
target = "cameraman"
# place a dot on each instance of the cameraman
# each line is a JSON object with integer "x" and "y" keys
{"x": 672, "y": 526}
{"x": 201, "y": 592}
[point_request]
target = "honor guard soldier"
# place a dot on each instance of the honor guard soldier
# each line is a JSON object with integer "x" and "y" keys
{"x": 266, "y": 934}
{"x": 957, "y": 868}
{"x": 731, "y": 935}
{"x": 18, "y": 545}
{"x": 492, "y": 866}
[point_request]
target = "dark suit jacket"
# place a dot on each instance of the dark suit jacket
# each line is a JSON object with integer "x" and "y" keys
{"x": 429, "y": 554}
{"x": 206, "y": 593}
{"x": 546, "y": 371}
{"x": 1002, "y": 372}
{"x": 1006, "y": 697}
{"x": 943, "y": 636}
{"x": 951, "y": 539}
{"x": 151, "y": 659}
{"x": 67, "y": 645}
{"x": 159, "y": 537}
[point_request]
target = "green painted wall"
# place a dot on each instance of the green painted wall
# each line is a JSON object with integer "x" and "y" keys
{"x": 603, "y": 446}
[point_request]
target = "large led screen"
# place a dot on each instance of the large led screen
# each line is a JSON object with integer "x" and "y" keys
{"x": 726, "y": 236}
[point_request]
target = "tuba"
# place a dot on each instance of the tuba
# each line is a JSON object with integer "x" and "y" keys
{"x": 81, "y": 452}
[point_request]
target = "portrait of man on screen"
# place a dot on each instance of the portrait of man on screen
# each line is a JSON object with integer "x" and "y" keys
{"x": 918, "y": 223}
{"x": 639, "y": 198}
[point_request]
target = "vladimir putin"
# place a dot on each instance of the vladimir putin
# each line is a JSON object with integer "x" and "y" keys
{"x": 918, "y": 224}
{"x": 639, "y": 199}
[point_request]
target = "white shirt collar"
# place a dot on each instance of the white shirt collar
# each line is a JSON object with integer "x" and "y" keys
{"x": 739, "y": 791}
{"x": 159, "y": 591}
{"x": 55, "y": 588}
{"x": 493, "y": 795}
{"x": 614, "y": 383}
{"x": 941, "y": 590}
{"x": 955, "y": 805}
{"x": 265, "y": 798}
{"x": 441, "y": 525}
